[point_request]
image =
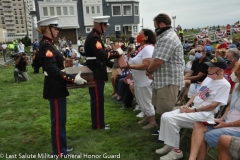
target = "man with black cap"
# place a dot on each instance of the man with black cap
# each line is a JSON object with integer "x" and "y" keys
{"x": 97, "y": 60}
{"x": 55, "y": 89}
{"x": 213, "y": 93}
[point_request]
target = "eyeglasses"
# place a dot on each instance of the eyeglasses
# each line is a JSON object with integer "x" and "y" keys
{"x": 198, "y": 51}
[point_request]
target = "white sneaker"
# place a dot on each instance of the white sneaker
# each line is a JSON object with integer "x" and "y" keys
{"x": 172, "y": 155}
{"x": 137, "y": 108}
{"x": 164, "y": 149}
{"x": 141, "y": 115}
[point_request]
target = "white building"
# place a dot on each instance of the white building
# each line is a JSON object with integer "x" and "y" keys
{"x": 15, "y": 18}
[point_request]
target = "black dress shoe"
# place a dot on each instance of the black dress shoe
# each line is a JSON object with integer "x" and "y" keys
{"x": 125, "y": 107}
{"x": 70, "y": 150}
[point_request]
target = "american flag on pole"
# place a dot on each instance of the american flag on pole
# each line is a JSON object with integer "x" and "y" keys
{"x": 203, "y": 92}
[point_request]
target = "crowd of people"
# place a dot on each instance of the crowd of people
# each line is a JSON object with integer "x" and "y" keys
{"x": 154, "y": 75}
{"x": 210, "y": 78}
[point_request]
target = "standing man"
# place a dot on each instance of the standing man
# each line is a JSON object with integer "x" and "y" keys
{"x": 35, "y": 45}
{"x": 55, "y": 89}
{"x": 4, "y": 48}
{"x": 21, "y": 46}
{"x": 97, "y": 60}
{"x": 166, "y": 66}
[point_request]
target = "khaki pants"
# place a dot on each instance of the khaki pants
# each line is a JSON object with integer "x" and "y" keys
{"x": 164, "y": 98}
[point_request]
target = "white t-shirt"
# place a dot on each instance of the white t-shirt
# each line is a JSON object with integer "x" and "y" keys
{"x": 21, "y": 47}
{"x": 139, "y": 76}
{"x": 4, "y": 46}
{"x": 74, "y": 52}
{"x": 188, "y": 66}
{"x": 212, "y": 90}
{"x": 79, "y": 42}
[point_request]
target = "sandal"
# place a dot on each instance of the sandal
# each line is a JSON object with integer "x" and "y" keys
{"x": 149, "y": 126}
{"x": 144, "y": 120}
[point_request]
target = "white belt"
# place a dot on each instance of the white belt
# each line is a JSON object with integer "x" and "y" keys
{"x": 45, "y": 73}
{"x": 91, "y": 58}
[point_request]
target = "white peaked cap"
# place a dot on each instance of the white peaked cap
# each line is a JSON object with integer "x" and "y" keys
{"x": 48, "y": 21}
{"x": 101, "y": 19}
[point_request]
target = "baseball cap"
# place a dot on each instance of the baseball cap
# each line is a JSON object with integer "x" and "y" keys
{"x": 217, "y": 62}
{"x": 231, "y": 46}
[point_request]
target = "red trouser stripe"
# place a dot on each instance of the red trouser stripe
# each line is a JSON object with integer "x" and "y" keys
{"x": 97, "y": 105}
{"x": 57, "y": 127}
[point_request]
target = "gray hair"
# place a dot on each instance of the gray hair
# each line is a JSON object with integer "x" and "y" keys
{"x": 235, "y": 52}
{"x": 202, "y": 47}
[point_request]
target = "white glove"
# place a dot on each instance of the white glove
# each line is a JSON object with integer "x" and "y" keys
{"x": 78, "y": 80}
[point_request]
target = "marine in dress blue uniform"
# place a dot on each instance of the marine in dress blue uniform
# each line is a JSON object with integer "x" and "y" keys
{"x": 55, "y": 89}
{"x": 97, "y": 60}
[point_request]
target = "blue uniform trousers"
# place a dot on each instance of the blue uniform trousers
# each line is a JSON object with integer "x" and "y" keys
{"x": 58, "y": 125}
{"x": 97, "y": 105}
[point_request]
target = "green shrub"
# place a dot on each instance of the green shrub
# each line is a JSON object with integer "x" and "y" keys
{"x": 26, "y": 41}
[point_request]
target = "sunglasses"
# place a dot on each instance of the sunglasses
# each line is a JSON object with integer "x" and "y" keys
{"x": 197, "y": 51}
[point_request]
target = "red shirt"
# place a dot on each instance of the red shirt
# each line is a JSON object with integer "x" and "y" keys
{"x": 227, "y": 75}
{"x": 224, "y": 45}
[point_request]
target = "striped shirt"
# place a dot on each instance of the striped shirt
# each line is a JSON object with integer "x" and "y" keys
{"x": 169, "y": 49}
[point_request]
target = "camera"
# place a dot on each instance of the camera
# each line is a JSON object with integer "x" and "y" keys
{"x": 16, "y": 55}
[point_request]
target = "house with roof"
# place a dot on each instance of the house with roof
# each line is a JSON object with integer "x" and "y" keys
{"x": 76, "y": 16}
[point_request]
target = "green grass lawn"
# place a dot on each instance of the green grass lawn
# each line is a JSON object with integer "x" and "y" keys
{"x": 25, "y": 123}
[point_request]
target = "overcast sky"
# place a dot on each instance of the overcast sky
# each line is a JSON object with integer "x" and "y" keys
{"x": 191, "y": 13}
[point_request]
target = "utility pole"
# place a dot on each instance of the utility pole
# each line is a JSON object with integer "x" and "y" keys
{"x": 142, "y": 24}
{"x": 24, "y": 4}
{"x": 174, "y": 17}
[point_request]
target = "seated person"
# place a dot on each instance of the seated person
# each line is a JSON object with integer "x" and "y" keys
{"x": 128, "y": 94}
{"x": 75, "y": 56}
{"x": 222, "y": 44}
{"x": 228, "y": 148}
{"x": 198, "y": 71}
{"x": 186, "y": 47}
{"x": 120, "y": 84}
{"x": 232, "y": 57}
{"x": 220, "y": 53}
{"x": 212, "y": 94}
{"x": 189, "y": 63}
{"x": 228, "y": 124}
{"x": 20, "y": 71}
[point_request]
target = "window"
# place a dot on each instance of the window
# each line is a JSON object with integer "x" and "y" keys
{"x": 129, "y": 28}
{"x": 52, "y": 13}
{"x": 98, "y": 9}
{"x": 58, "y": 10}
{"x": 45, "y": 11}
{"x": 88, "y": 29}
{"x": 71, "y": 12}
{"x": 93, "y": 9}
{"x": 116, "y": 10}
{"x": 127, "y": 10}
{"x": 117, "y": 28}
{"x": 87, "y": 10}
{"x": 136, "y": 10}
{"x": 65, "y": 12}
